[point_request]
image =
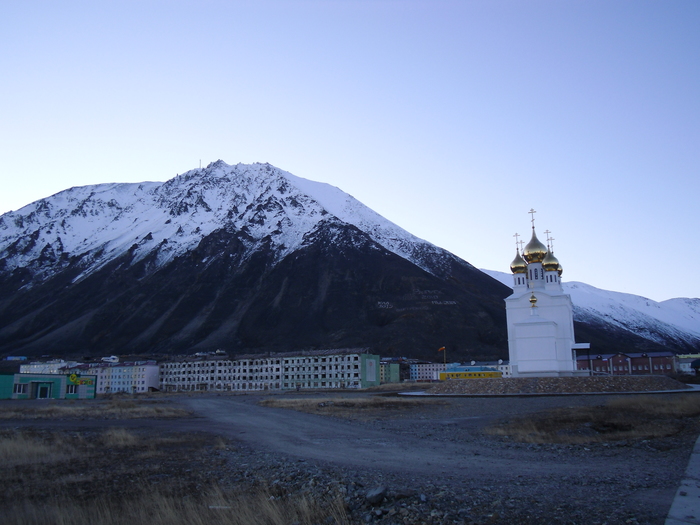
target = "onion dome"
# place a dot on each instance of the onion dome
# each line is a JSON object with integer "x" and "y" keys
{"x": 518, "y": 265}
{"x": 534, "y": 250}
{"x": 550, "y": 263}
{"x": 560, "y": 270}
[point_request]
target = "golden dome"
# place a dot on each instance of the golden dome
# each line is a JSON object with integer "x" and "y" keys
{"x": 533, "y": 300}
{"x": 534, "y": 250}
{"x": 518, "y": 265}
{"x": 560, "y": 270}
{"x": 550, "y": 263}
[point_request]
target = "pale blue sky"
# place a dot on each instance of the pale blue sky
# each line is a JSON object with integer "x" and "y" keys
{"x": 450, "y": 118}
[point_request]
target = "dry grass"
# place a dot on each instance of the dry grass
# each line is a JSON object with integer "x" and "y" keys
{"x": 623, "y": 418}
{"x": 91, "y": 408}
{"x": 351, "y": 407}
{"x": 103, "y": 479}
{"x": 19, "y": 448}
{"x": 213, "y": 507}
{"x": 118, "y": 437}
{"x": 687, "y": 405}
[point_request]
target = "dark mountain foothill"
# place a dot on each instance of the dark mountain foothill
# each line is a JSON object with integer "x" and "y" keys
{"x": 340, "y": 289}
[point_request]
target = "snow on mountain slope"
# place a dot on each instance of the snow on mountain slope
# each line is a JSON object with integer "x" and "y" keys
{"x": 101, "y": 222}
{"x": 677, "y": 318}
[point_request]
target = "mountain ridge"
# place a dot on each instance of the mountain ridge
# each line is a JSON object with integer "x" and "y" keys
{"x": 250, "y": 258}
{"x": 73, "y": 263}
{"x": 249, "y": 205}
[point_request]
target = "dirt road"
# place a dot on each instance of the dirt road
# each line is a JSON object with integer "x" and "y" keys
{"x": 361, "y": 446}
{"x": 435, "y": 461}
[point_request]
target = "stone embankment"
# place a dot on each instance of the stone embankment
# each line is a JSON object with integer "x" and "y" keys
{"x": 557, "y": 385}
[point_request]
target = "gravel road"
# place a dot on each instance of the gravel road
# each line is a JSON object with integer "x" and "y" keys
{"x": 435, "y": 465}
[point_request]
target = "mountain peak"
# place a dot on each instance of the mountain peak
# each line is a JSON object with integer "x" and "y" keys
{"x": 228, "y": 254}
{"x": 102, "y": 222}
{"x": 247, "y": 256}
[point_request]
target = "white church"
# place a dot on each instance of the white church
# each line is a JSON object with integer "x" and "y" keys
{"x": 540, "y": 315}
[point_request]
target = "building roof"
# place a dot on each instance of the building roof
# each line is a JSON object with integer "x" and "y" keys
{"x": 586, "y": 357}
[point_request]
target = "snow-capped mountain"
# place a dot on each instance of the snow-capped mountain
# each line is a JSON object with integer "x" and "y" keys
{"x": 675, "y": 322}
{"x": 252, "y": 258}
{"x": 242, "y": 257}
{"x": 100, "y": 223}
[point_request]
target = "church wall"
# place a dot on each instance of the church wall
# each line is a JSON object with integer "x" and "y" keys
{"x": 540, "y": 339}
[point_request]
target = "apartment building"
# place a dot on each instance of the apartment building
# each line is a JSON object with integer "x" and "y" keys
{"x": 348, "y": 368}
{"x": 137, "y": 377}
{"x": 629, "y": 363}
{"x": 54, "y": 366}
{"x": 427, "y": 371}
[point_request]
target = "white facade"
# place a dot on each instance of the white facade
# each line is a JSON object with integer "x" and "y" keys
{"x": 313, "y": 369}
{"x": 684, "y": 362}
{"x": 540, "y": 316}
{"x": 131, "y": 377}
{"x": 48, "y": 367}
{"x": 426, "y": 371}
{"x": 193, "y": 375}
{"x": 502, "y": 366}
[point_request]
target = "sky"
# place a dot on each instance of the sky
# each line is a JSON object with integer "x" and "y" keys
{"x": 450, "y": 118}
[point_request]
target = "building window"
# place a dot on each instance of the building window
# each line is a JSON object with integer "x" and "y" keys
{"x": 20, "y": 388}
{"x": 71, "y": 389}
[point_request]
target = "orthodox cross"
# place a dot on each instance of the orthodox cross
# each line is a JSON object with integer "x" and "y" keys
{"x": 532, "y": 213}
{"x": 516, "y": 240}
{"x": 547, "y": 232}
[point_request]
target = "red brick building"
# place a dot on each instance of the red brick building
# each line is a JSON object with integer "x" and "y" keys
{"x": 647, "y": 363}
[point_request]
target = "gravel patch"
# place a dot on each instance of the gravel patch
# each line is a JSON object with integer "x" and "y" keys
{"x": 626, "y": 482}
{"x": 557, "y": 385}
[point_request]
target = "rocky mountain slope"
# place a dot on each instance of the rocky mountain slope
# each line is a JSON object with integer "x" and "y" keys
{"x": 250, "y": 258}
{"x": 240, "y": 258}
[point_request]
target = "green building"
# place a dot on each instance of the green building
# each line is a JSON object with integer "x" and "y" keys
{"x": 47, "y": 386}
{"x": 6, "y": 382}
{"x": 390, "y": 372}
{"x": 369, "y": 366}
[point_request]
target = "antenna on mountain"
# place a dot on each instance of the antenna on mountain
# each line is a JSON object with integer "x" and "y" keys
{"x": 200, "y": 164}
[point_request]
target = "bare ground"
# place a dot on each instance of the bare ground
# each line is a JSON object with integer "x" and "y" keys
{"x": 430, "y": 463}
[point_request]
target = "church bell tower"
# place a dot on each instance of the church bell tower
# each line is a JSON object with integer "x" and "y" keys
{"x": 539, "y": 314}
